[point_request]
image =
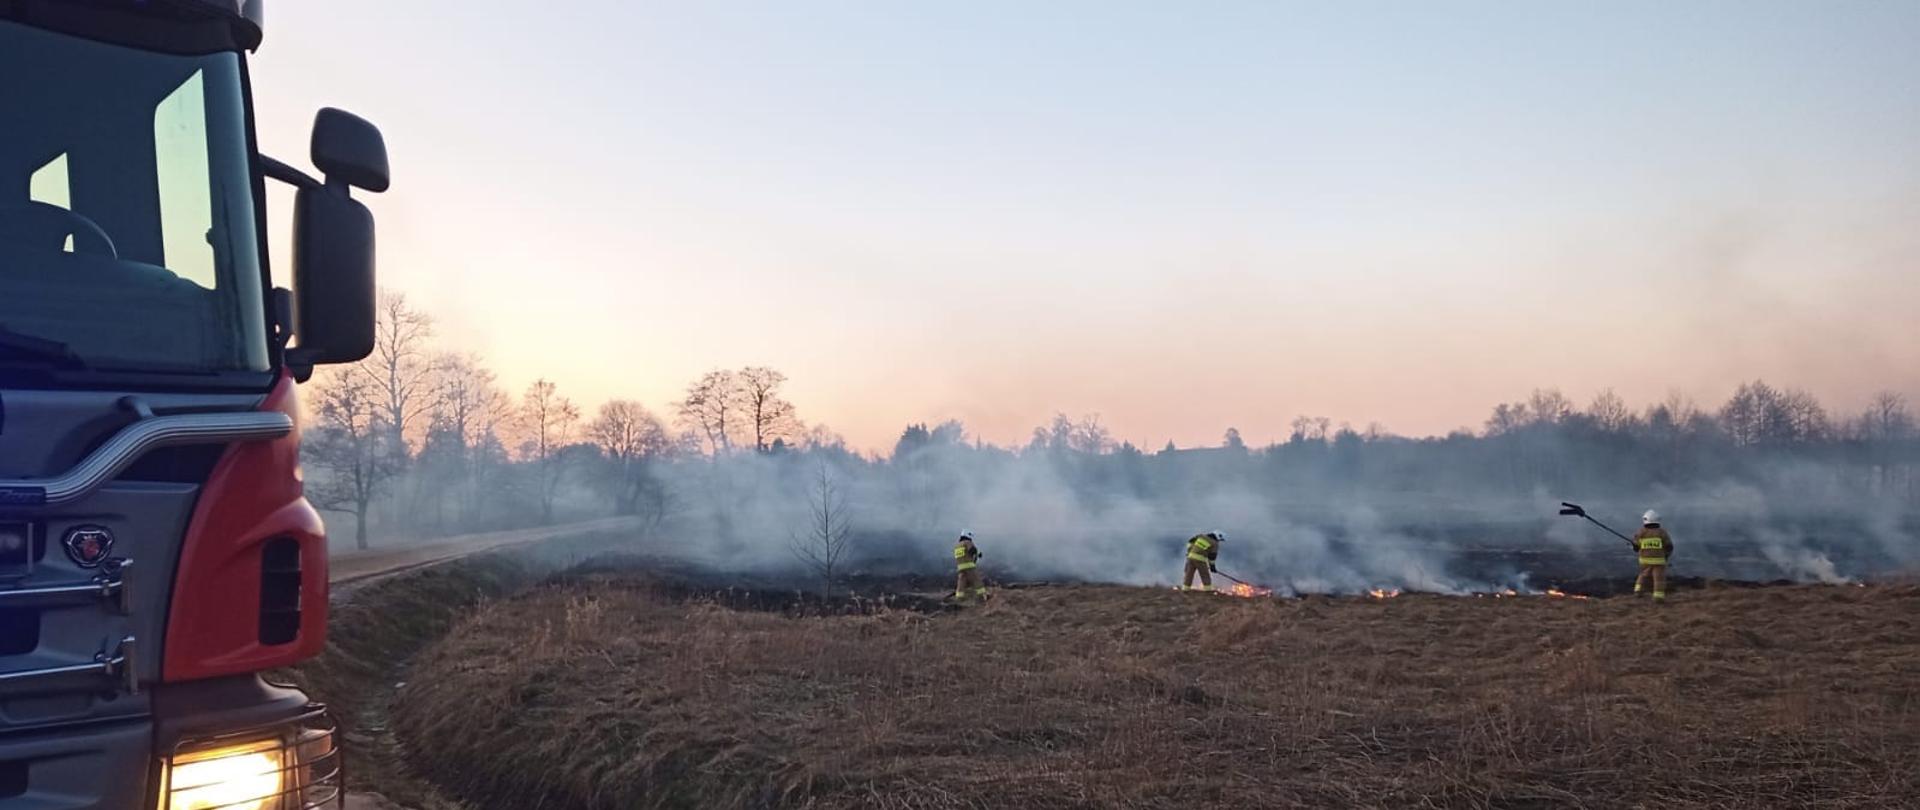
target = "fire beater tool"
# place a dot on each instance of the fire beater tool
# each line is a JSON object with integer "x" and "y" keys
{"x": 1575, "y": 510}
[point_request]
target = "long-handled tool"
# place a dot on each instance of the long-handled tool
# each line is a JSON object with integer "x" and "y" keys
{"x": 1234, "y": 578}
{"x": 1575, "y": 510}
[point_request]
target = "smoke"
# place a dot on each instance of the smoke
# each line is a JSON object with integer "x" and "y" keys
{"x": 1299, "y": 519}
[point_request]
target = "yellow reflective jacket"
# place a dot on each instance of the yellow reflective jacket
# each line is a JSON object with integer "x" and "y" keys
{"x": 1655, "y": 546}
{"x": 1203, "y": 549}
{"x": 965, "y": 555}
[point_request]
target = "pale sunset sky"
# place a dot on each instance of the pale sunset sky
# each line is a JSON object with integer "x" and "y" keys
{"x": 1180, "y": 216}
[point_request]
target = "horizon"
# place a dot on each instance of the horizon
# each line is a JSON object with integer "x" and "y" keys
{"x": 1180, "y": 220}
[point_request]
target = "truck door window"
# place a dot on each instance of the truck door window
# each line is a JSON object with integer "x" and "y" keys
{"x": 49, "y": 185}
{"x": 180, "y": 161}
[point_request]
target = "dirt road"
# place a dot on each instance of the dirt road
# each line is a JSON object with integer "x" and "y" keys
{"x": 352, "y": 569}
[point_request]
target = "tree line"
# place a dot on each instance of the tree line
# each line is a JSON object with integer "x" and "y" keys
{"x": 427, "y": 442}
{"x": 431, "y": 441}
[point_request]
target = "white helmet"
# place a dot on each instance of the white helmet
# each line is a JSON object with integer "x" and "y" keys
{"x": 1218, "y": 536}
{"x": 966, "y": 535}
{"x": 1650, "y": 518}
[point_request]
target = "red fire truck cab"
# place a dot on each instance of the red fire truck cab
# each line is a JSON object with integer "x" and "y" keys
{"x": 156, "y": 551}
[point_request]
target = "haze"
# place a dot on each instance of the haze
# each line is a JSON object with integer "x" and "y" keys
{"x": 1181, "y": 217}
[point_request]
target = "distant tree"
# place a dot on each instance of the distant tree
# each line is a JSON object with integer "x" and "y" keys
{"x": 1547, "y": 406}
{"x": 1756, "y": 413}
{"x": 351, "y": 447}
{"x": 821, "y": 437}
{"x": 768, "y": 415}
{"x": 468, "y": 408}
{"x": 1887, "y": 418}
{"x": 1609, "y": 412}
{"x": 630, "y": 438}
{"x": 1804, "y": 418}
{"x": 1085, "y": 435}
{"x": 1232, "y": 441}
{"x": 711, "y": 410}
{"x": 402, "y": 367}
{"x": 1310, "y": 429}
{"x": 823, "y": 543}
{"x": 548, "y": 420}
{"x": 915, "y": 437}
{"x": 1506, "y": 419}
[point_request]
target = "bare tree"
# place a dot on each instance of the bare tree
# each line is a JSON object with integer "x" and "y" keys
{"x": 1506, "y": 419}
{"x": 821, "y": 437}
{"x": 1804, "y": 417}
{"x": 1310, "y": 429}
{"x": 629, "y": 437}
{"x": 711, "y": 410}
{"x": 401, "y": 367}
{"x": 1085, "y": 435}
{"x": 1887, "y": 418}
{"x": 823, "y": 544}
{"x": 468, "y": 408}
{"x": 768, "y": 415}
{"x": 1547, "y": 406}
{"x": 1609, "y": 412}
{"x": 351, "y": 447}
{"x": 548, "y": 420}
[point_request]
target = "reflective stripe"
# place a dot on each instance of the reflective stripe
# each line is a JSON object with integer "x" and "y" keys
{"x": 1196, "y": 556}
{"x": 968, "y": 566}
{"x": 1652, "y": 543}
{"x": 962, "y": 559}
{"x": 1653, "y": 561}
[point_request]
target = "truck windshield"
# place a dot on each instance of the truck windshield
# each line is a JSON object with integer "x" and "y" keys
{"x": 127, "y": 238}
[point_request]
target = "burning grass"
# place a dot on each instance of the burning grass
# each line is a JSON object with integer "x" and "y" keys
{"x": 599, "y": 694}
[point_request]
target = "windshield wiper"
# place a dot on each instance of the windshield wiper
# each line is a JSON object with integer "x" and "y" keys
{"x": 31, "y": 347}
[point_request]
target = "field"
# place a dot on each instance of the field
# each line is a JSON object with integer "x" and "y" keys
{"x": 615, "y": 691}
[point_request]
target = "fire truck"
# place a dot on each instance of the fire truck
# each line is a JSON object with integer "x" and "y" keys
{"x": 157, "y": 555}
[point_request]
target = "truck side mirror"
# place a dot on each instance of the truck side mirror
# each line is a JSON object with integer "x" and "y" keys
{"x": 348, "y": 149}
{"x": 333, "y": 275}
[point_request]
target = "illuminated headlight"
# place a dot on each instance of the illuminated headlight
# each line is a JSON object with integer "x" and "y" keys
{"x": 292, "y": 767}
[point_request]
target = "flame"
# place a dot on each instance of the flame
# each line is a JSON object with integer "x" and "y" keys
{"x": 1559, "y": 594}
{"x": 1245, "y": 591}
{"x": 1378, "y": 593}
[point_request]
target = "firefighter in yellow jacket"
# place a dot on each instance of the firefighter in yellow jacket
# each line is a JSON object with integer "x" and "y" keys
{"x": 966, "y": 557}
{"x": 1655, "y": 548}
{"x": 1203, "y": 552}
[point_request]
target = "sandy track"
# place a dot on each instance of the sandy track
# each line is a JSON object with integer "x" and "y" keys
{"x": 356, "y": 568}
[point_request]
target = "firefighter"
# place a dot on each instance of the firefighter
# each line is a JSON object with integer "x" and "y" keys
{"x": 1655, "y": 548}
{"x": 1203, "y": 553}
{"x": 966, "y": 557}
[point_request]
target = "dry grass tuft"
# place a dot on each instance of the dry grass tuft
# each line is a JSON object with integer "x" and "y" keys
{"x": 604, "y": 695}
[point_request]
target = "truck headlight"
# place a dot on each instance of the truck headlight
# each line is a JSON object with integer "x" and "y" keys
{"x": 295, "y": 766}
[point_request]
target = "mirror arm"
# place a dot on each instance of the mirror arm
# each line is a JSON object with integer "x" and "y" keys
{"x": 287, "y": 174}
{"x": 299, "y": 363}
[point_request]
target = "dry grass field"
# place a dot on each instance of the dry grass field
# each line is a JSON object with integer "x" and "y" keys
{"x": 611, "y": 692}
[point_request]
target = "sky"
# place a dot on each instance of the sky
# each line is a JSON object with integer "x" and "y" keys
{"x": 1178, "y": 216}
